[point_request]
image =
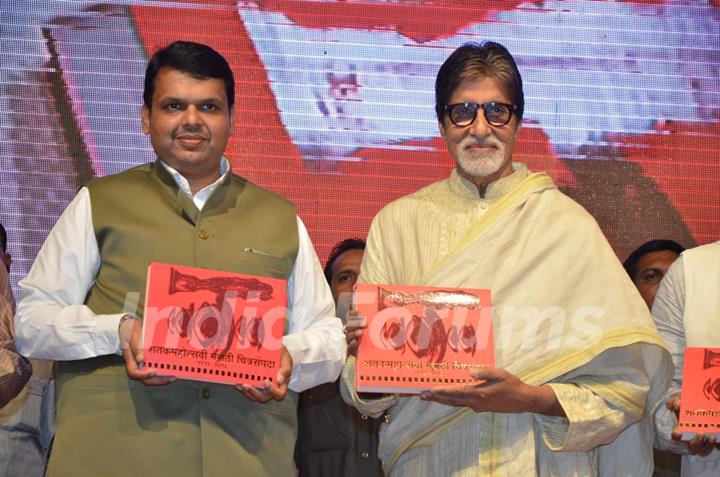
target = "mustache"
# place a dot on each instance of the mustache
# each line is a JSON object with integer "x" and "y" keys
{"x": 473, "y": 141}
{"x": 190, "y": 134}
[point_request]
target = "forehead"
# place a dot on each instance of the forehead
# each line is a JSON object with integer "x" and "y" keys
{"x": 661, "y": 259}
{"x": 172, "y": 83}
{"x": 479, "y": 90}
{"x": 350, "y": 259}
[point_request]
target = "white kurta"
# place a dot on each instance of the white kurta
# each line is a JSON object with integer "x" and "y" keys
{"x": 688, "y": 317}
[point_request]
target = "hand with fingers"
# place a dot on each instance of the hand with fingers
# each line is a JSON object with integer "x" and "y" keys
{"x": 354, "y": 327}
{"x": 271, "y": 391}
{"x": 130, "y": 331}
{"x": 700, "y": 444}
{"x": 497, "y": 390}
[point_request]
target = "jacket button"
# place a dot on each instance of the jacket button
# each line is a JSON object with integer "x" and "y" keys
{"x": 203, "y": 234}
{"x": 364, "y": 417}
{"x": 205, "y": 393}
{"x": 365, "y": 455}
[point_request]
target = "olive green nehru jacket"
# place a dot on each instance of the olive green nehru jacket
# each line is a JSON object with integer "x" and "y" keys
{"x": 109, "y": 425}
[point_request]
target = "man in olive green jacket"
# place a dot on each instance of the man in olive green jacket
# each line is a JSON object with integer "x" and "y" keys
{"x": 81, "y": 300}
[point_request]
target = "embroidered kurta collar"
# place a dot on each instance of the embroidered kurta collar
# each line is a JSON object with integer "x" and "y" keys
{"x": 495, "y": 190}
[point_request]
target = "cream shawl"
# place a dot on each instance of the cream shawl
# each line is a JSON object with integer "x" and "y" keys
{"x": 565, "y": 312}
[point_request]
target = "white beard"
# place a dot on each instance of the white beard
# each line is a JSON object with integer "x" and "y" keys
{"x": 484, "y": 164}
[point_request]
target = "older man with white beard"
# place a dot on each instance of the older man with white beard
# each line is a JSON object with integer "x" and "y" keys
{"x": 568, "y": 399}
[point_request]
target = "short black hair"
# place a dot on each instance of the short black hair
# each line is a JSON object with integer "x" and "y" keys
{"x": 340, "y": 248}
{"x": 474, "y": 61}
{"x": 658, "y": 245}
{"x": 3, "y": 238}
{"x": 195, "y": 59}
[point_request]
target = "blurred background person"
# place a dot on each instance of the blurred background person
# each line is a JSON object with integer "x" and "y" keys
{"x": 26, "y": 419}
{"x": 5, "y": 258}
{"x": 334, "y": 438}
{"x": 14, "y": 369}
{"x": 648, "y": 264}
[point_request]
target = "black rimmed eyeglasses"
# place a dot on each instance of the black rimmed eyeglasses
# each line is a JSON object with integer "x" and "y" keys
{"x": 463, "y": 114}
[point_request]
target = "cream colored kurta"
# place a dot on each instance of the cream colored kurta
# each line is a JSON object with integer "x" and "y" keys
{"x": 565, "y": 314}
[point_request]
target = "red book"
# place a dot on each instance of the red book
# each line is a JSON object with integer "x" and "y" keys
{"x": 700, "y": 393}
{"x": 418, "y": 338}
{"x": 213, "y": 326}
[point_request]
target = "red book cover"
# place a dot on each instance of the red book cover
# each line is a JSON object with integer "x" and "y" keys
{"x": 213, "y": 326}
{"x": 418, "y": 338}
{"x": 700, "y": 393}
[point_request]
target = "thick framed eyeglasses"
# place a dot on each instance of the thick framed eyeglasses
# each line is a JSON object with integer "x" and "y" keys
{"x": 464, "y": 114}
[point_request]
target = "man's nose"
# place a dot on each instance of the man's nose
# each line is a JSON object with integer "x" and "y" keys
{"x": 191, "y": 117}
{"x": 480, "y": 127}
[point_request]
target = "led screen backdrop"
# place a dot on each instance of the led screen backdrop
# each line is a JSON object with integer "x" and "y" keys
{"x": 334, "y": 106}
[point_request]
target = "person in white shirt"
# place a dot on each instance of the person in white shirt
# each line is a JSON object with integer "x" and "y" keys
{"x": 686, "y": 311}
{"x": 81, "y": 301}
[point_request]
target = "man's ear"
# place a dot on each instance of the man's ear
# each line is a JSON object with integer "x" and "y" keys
{"x": 441, "y": 128}
{"x": 232, "y": 117}
{"x": 145, "y": 119}
{"x": 517, "y": 131}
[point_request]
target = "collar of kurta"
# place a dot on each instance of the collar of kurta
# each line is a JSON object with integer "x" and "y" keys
{"x": 494, "y": 191}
